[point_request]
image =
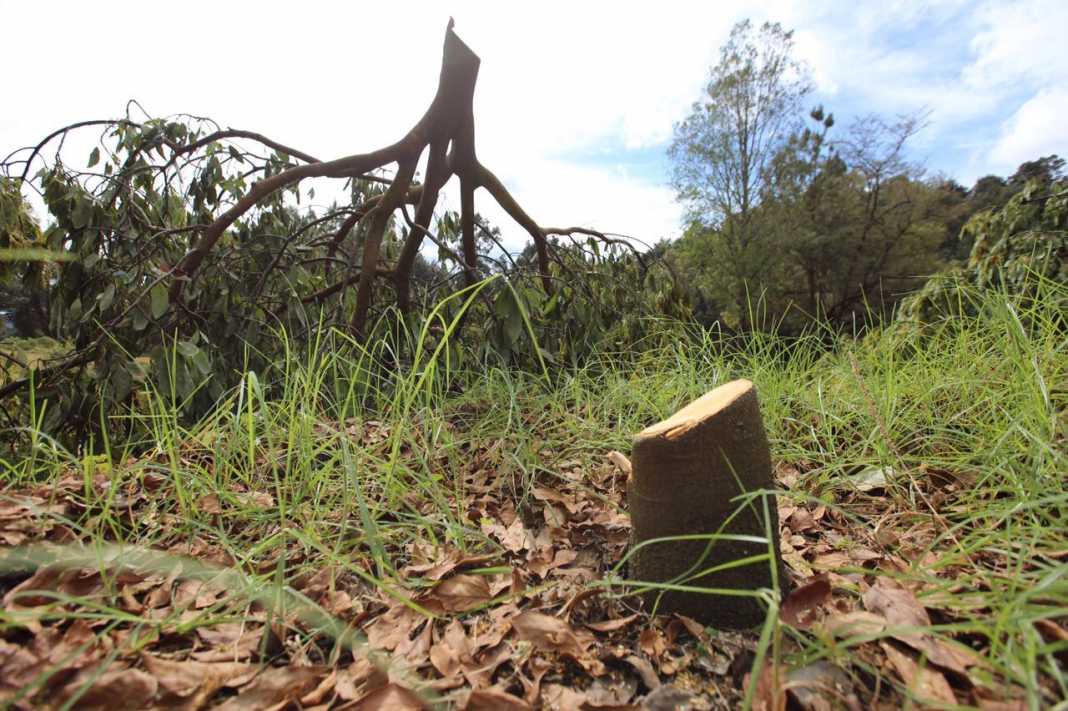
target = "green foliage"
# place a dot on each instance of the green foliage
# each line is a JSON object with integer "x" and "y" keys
{"x": 602, "y": 298}
{"x": 723, "y": 158}
{"x": 1015, "y": 249}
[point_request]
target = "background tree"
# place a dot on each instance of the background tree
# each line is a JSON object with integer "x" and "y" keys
{"x": 723, "y": 154}
{"x": 868, "y": 227}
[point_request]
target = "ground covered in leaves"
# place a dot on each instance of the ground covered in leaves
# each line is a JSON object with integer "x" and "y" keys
{"x": 471, "y": 554}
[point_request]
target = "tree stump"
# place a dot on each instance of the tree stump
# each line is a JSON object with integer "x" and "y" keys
{"x": 686, "y": 471}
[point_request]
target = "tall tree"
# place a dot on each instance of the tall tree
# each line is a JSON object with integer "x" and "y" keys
{"x": 723, "y": 154}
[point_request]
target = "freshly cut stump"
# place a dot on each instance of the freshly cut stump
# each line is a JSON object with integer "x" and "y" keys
{"x": 686, "y": 471}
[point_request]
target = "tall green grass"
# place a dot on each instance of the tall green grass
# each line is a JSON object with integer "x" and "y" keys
{"x": 976, "y": 403}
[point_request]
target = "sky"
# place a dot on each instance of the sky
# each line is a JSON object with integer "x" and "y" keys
{"x": 576, "y": 101}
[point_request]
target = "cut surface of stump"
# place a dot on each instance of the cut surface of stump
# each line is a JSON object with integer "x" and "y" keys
{"x": 688, "y": 471}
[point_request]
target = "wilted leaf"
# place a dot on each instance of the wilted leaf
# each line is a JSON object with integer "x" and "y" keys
{"x": 645, "y": 671}
{"x": 393, "y": 627}
{"x": 769, "y": 694}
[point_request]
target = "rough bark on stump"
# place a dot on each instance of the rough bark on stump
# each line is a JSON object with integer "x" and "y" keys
{"x": 686, "y": 471}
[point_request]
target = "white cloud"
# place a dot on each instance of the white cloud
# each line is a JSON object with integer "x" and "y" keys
{"x": 1018, "y": 42}
{"x": 1037, "y": 128}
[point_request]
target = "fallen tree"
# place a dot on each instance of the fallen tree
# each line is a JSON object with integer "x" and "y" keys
{"x": 447, "y": 132}
{"x": 186, "y": 247}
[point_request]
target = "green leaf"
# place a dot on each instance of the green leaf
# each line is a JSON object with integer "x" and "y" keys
{"x": 94, "y": 157}
{"x": 188, "y": 349}
{"x": 200, "y": 360}
{"x": 121, "y": 382}
{"x": 106, "y": 297}
{"x": 510, "y": 315}
{"x": 82, "y": 213}
{"x": 160, "y": 300}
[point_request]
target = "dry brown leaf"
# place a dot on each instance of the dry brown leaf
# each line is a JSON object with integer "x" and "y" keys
{"x": 831, "y": 561}
{"x": 645, "y": 671}
{"x": 667, "y": 697}
{"x": 559, "y": 697}
{"x": 1053, "y": 633}
{"x": 801, "y": 520}
{"x": 461, "y": 593}
{"x": 228, "y": 641}
{"x": 800, "y": 606}
{"x": 611, "y": 691}
{"x": 480, "y": 673}
{"x": 134, "y": 687}
{"x": 925, "y": 684}
{"x": 818, "y": 686}
{"x": 393, "y": 627}
{"x": 652, "y": 642}
{"x": 770, "y": 693}
{"x": 902, "y": 609}
{"x": 450, "y": 653}
{"x": 611, "y": 625}
{"x": 695, "y": 628}
{"x": 44, "y": 580}
{"x": 568, "y": 502}
{"x": 551, "y": 634}
{"x": 516, "y": 538}
{"x": 416, "y": 650}
{"x": 391, "y": 697}
{"x": 896, "y": 603}
{"x": 357, "y": 679}
{"x": 274, "y": 687}
{"x": 855, "y": 624}
{"x": 186, "y": 678}
{"x": 316, "y": 695}
{"x": 495, "y": 700}
{"x": 210, "y": 504}
{"x": 546, "y": 559}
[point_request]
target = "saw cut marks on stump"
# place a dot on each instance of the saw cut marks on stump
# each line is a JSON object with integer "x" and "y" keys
{"x": 688, "y": 472}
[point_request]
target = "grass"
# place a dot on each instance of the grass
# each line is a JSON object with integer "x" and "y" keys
{"x": 332, "y": 466}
